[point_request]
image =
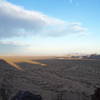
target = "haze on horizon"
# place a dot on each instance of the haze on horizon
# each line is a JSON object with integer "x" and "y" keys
{"x": 49, "y": 27}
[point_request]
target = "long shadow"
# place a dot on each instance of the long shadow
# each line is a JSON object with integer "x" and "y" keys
{"x": 7, "y": 72}
{"x": 4, "y": 65}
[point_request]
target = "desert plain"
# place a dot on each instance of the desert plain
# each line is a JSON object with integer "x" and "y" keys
{"x": 50, "y": 77}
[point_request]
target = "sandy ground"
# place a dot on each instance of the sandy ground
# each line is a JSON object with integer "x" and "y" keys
{"x": 53, "y": 79}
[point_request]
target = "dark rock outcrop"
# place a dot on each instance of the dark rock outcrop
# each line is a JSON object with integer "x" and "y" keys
{"x": 96, "y": 95}
{"x": 26, "y": 95}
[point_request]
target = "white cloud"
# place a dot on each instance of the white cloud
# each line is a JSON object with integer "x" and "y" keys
{"x": 1, "y": 0}
{"x": 65, "y": 29}
{"x": 17, "y": 21}
{"x": 14, "y": 43}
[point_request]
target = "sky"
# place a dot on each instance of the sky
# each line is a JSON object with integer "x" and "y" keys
{"x": 49, "y": 27}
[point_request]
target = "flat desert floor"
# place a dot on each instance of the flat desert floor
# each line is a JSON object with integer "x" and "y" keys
{"x": 49, "y": 77}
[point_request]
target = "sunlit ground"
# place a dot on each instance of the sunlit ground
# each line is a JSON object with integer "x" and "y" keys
{"x": 14, "y": 60}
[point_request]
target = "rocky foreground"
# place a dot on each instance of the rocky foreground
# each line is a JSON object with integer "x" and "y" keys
{"x": 60, "y": 80}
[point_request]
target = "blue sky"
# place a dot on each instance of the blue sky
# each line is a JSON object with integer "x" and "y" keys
{"x": 49, "y": 27}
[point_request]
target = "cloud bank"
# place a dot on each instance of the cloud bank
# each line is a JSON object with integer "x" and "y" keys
{"x": 16, "y": 21}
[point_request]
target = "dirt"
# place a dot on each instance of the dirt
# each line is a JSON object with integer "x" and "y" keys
{"x": 60, "y": 79}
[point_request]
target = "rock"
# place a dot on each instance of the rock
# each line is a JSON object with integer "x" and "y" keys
{"x": 96, "y": 95}
{"x": 26, "y": 95}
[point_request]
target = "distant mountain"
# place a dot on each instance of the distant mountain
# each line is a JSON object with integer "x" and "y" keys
{"x": 92, "y": 56}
